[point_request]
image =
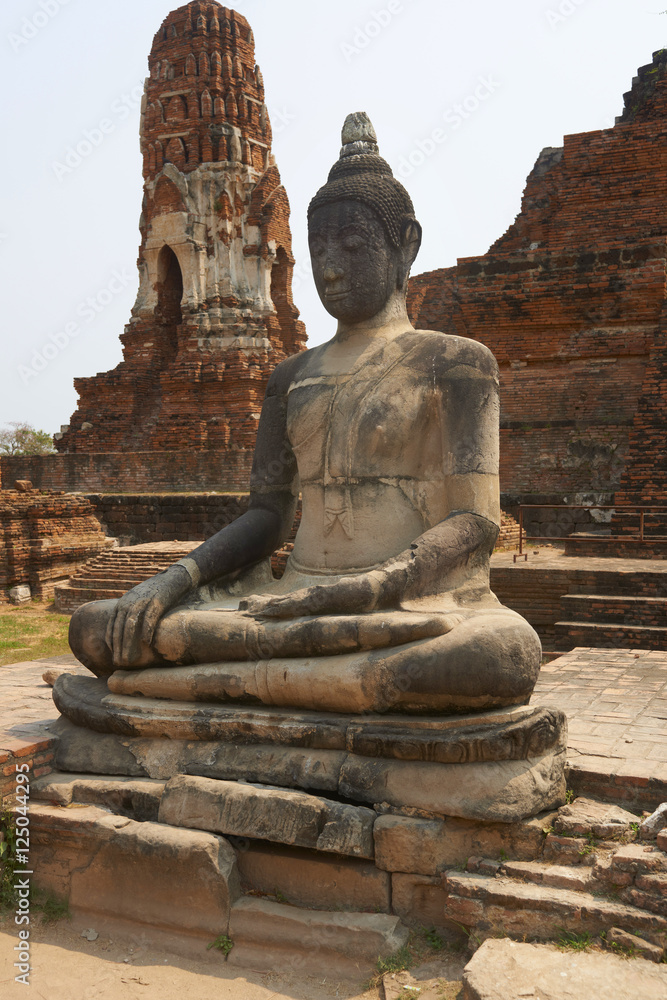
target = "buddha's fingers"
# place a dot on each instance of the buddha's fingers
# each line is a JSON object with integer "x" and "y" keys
{"x": 151, "y": 617}
{"x": 108, "y": 635}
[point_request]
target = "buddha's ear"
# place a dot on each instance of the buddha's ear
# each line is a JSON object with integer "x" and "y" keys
{"x": 411, "y": 238}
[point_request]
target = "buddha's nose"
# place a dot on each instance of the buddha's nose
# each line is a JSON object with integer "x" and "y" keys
{"x": 332, "y": 272}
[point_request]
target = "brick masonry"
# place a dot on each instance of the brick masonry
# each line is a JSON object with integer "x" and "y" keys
{"x": 623, "y": 595}
{"x": 571, "y": 301}
{"x": 44, "y": 538}
{"x": 214, "y": 313}
{"x": 137, "y": 471}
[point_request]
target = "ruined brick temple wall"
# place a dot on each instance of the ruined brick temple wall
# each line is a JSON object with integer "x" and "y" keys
{"x": 132, "y": 472}
{"x": 44, "y": 538}
{"x": 153, "y": 517}
{"x": 214, "y": 313}
{"x": 570, "y": 301}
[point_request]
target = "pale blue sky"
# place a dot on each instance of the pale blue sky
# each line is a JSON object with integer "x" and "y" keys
{"x": 499, "y": 80}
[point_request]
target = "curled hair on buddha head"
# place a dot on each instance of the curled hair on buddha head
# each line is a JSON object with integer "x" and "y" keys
{"x": 362, "y": 175}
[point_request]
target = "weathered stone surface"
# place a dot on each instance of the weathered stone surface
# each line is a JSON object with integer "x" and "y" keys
{"x": 558, "y": 876}
{"x": 503, "y": 906}
{"x": 584, "y": 816}
{"x": 635, "y": 945}
{"x": 312, "y": 879}
{"x": 637, "y": 858}
{"x": 661, "y": 840}
{"x": 274, "y": 814}
{"x": 139, "y": 799}
{"x": 20, "y": 595}
{"x": 501, "y": 734}
{"x": 271, "y": 937}
{"x": 141, "y": 873}
{"x": 507, "y": 970}
{"x": 502, "y": 791}
{"x": 107, "y": 753}
{"x": 515, "y": 735}
{"x": 653, "y": 824}
{"x": 419, "y": 900}
{"x": 86, "y": 701}
{"x": 608, "y": 875}
{"x": 427, "y": 847}
{"x": 568, "y": 850}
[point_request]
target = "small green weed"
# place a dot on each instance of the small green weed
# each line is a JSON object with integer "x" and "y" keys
{"x": 279, "y": 896}
{"x": 221, "y": 943}
{"x": 401, "y": 959}
{"x": 574, "y": 941}
{"x": 53, "y": 908}
{"x": 433, "y": 939}
{"x": 8, "y": 897}
{"x": 569, "y": 796}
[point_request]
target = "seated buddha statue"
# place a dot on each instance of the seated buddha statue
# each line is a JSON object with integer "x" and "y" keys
{"x": 390, "y": 435}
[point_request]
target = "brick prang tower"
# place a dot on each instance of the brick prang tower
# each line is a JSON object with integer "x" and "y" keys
{"x": 214, "y": 314}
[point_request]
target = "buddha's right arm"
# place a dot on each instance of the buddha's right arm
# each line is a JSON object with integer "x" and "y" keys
{"x": 247, "y": 540}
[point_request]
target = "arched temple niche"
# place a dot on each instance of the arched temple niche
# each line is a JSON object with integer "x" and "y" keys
{"x": 169, "y": 294}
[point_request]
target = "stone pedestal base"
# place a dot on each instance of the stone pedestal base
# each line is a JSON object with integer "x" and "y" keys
{"x": 497, "y": 766}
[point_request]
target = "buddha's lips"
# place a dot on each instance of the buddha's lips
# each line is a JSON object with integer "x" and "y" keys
{"x": 336, "y": 294}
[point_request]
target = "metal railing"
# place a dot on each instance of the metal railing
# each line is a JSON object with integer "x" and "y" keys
{"x": 618, "y": 511}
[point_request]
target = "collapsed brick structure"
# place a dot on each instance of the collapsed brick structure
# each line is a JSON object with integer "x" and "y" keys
{"x": 571, "y": 300}
{"x": 214, "y": 314}
{"x": 44, "y": 538}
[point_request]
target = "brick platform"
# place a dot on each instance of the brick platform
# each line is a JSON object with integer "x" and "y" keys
{"x": 542, "y": 589}
{"x": 616, "y": 701}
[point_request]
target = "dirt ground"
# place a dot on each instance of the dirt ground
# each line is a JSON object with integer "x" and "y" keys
{"x": 66, "y": 966}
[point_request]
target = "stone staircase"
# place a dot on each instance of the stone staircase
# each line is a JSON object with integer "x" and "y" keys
{"x": 634, "y": 617}
{"x": 583, "y": 889}
{"x": 112, "y": 573}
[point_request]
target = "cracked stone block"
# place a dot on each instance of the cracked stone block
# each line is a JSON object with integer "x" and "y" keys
{"x": 272, "y": 937}
{"x": 275, "y": 814}
{"x": 140, "y": 874}
{"x": 507, "y": 970}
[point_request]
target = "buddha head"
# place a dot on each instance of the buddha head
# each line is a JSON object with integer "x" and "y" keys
{"x": 362, "y": 230}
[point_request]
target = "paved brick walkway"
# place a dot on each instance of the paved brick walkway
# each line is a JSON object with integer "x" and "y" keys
{"x": 615, "y": 700}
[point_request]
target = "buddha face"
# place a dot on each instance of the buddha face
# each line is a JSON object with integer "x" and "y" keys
{"x": 354, "y": 265}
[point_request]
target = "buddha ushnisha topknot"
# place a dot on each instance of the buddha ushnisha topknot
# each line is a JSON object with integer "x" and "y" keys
{"x": 362, "y": 175}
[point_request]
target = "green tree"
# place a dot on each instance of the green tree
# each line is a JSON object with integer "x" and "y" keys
{"x": 22, "y": 439}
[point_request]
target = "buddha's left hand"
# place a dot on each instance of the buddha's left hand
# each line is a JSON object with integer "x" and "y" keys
{"x": 349, "y": 595}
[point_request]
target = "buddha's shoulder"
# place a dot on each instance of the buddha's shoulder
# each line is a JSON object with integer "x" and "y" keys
{"x": 287, "y": 372}
{"x": 447, "y": 354}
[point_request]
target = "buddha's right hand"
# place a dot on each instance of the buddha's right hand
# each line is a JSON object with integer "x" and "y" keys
{"x": 138, "y": 612}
